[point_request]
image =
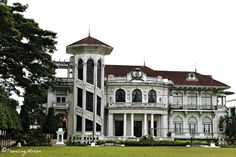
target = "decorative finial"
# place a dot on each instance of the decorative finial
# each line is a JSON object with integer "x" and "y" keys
{"x": 195, "y": 67}
{"x": 89, "y": 32}
{"x": 144, "y": 62}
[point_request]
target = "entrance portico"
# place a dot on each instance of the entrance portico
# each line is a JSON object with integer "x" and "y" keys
{"x": 137, "y": 124}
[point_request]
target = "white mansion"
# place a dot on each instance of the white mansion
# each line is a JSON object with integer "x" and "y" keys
{"x": 118, "y": 101}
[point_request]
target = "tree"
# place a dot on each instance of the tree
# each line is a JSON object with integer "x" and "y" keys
{"x": 50, "y": 125}
{"x": 229, "y": 124}
{"x": 34, "y": 97}
{"x": 25, "y": 51}
{"x": 25, "y": 119}
{"x": 9, "y": 118}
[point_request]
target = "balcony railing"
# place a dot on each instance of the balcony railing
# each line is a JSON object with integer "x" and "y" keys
{"x": 61, "y": 105}
{"x": 137, "y": 105}
{"x": 64, "y": 81}
{"x": 195, "y": 107}
{"x": 194, "y": 134}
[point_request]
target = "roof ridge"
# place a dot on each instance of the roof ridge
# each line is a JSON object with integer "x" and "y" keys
{"x": 90, "y": 41}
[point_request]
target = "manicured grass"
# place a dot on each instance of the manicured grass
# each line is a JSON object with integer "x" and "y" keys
{"x": 76, "y": 151}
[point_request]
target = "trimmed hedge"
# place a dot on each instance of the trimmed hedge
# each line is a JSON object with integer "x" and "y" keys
{"x": 34, "y": 138}
{"x": 152, "y": 142}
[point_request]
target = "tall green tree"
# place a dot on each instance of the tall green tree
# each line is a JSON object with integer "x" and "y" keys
{"x": 50, "y": 125}
{"x": 229, "y": 124}
{"x": 25, "y": 51}
{"x": 25, "y": 119}
{"x": 9, "y": 118}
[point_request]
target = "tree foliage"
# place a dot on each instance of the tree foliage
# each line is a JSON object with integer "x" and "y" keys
{"x": 25, "y": 51}
{"x": 229, "y": 124}
{"x": 25, "y": 119}
{"x": 50, "y": 125}
{"x": 9, "y": 118}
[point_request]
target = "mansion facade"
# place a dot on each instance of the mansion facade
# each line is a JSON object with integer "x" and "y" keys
{"x": 119, "y": 101}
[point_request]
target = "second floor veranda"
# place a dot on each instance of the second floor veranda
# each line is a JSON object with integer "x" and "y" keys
{"x": 197, "y": 106}
{"x": 134, "y": 105}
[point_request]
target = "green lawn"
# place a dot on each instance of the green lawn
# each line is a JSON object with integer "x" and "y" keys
{"x": 73, "y": 151}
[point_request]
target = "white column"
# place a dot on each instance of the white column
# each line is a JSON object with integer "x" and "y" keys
{"x": 73, "y": 119}
{"x": 102, "y": 101}
{"x": 145, "y": 124}
{"x": 152, "y": 125}
{"x": 164, "y": 125}
{"x": 229, "y": 112}
{"x": 124, "y": 127}
{"x": 95, "y": 98}
{"x": 84, "y": 109}
{"x": 110, "y": 124}
{"x": 132, "y": 125}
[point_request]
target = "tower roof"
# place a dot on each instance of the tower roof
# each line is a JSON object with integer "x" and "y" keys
{"x": 89, "y": 41}
{"x": 89, "y": 44}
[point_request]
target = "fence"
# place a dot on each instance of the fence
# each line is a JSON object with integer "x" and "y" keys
{"x": 4, "y": 141}
{"x": 83, "y": 139}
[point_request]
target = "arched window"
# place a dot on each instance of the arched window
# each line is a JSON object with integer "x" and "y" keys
{"x": 192, "y": 124}
{"x": 120, "y": 95}
{"x": 137, "y": 95}
{"x": 206, "y": 122}
{"x": 80, "y": 69}
{"x": 90, "y": 71}
{"x": 178, "y": 124}
{"x": 99, "y": 71}
{"x": 152, "y": 96}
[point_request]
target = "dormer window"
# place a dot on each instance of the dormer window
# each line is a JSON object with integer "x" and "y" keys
{"x": 191, "y": 77}
{"x": 137, "y": 74}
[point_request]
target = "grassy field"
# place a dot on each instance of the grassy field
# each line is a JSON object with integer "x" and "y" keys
{"x": 73, "y": 151}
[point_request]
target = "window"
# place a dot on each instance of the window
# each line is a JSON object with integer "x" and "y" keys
{"x": 90, "y": 71}
{"x": 79, "y": 97}
{"x": 88, "y": 125}
{"x": 99, "y": 71}
{"x": 192, "y": 99}
{"x": 137, "y": 96}
{"x": 178, "y": 124}
{"x": 79, "y": 123}
{"x": 98, "y": 106}
{"x": 98, "y": 127}
{"x": 80, "y": 69}
{"x": 206, "y": 99}
{"x": 191, "y": 77}
{"x": 152, "y": 96}
{"x": 192, "y": 124}
{"x": 206, "y": 125}
{"x": 89, "y": 101}
{"x": 178, "y": 98}
{"x": 120, "y": 95}
{"x": 61, "y": 99}
{"x": 221, "y": 101}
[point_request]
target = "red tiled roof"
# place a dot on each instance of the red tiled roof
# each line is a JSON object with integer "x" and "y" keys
{"x": 178, "y": 77}
{"x": 89, "y": 41}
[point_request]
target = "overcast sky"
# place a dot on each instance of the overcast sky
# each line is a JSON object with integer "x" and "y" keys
{"x": 175, "y": 35}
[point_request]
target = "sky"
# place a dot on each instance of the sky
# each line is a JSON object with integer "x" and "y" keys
{"x": 174, "y": 35}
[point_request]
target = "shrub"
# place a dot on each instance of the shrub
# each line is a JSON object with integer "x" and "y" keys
{"x": 34, "y": 138}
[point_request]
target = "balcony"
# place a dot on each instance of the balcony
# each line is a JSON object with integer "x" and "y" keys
{"x": 63, "y": 81}
{"x": 195, "y": 107}
{"x": 62, "y": 106}
{"x": 133, "y": 105}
